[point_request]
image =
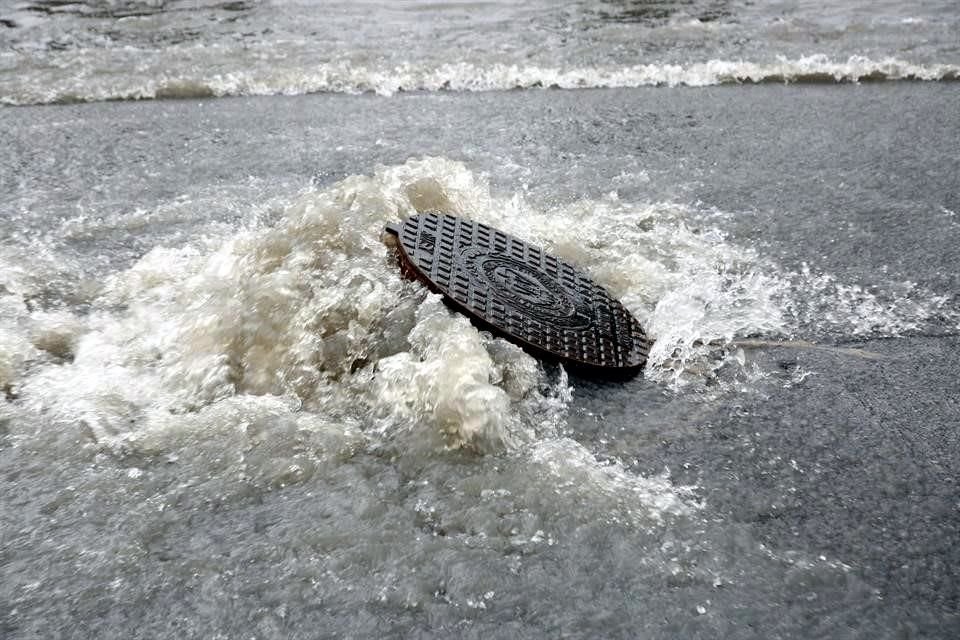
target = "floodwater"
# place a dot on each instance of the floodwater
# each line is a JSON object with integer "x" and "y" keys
{"x": 225, "y": 414}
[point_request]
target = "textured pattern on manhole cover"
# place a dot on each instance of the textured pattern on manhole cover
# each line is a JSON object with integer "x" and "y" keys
{"x": 517, "y": 290}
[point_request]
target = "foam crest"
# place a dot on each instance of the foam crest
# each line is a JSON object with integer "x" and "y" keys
{"x": 86, "y": 79}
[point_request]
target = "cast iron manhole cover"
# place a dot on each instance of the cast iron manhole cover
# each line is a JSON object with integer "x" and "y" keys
{"x": 522, "y": 293}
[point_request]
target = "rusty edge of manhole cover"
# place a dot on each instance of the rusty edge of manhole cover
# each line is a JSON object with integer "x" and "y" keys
{"x": 522, "y": 293}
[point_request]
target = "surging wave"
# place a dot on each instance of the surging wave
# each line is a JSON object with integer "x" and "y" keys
{"x": 271, "y": 352}
{"x": 268, "y": 353}
{"x": 312, "y": 312}
{"x": 56, "y": 83}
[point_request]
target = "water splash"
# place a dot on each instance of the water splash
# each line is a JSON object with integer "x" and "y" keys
{"x": 98, "y": 75}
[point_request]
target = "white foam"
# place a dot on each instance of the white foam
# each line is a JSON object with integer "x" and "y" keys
{"x": 30, "y": 335}
{"x": 690, "y": 287}
{"x": 93, "y": 75}
{"x": 15, "y": 346}
{"x": 627, "y": 497}
{"x": 450, "y": 376}
{"x": 311, "y": 309}
{"x": 266, "y": 352}
{"x": 891, "y": 308}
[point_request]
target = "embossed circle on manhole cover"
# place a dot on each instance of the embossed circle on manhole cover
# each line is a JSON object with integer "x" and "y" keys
{"x": 522, "y": 293}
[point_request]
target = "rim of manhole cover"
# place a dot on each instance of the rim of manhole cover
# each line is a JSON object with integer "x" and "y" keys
{"x": 522, "y": 293}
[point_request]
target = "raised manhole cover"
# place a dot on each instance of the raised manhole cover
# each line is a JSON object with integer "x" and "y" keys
{"x": 518, "y": 291}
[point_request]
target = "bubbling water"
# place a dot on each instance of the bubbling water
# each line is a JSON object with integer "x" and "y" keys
{"x": 311, "y": 310}
{"x": 307, "y": 326}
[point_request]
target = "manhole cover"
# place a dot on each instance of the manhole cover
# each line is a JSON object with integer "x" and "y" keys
{"x": 522, "y": 293}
